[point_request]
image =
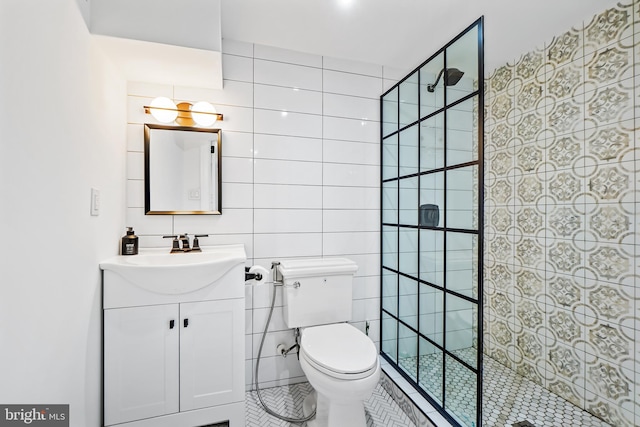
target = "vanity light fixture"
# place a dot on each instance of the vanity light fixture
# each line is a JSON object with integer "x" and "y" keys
{"x": 162, "y": 109}
{"x": 165, "y": 110}
{"x": 204, "y": 113}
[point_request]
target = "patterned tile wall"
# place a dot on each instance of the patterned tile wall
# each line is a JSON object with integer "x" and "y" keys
{"x": 561, "y": 266}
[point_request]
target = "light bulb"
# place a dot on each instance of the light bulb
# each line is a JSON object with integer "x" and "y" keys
{"x": 203, "y": 119}
{"x": 163, "y": 116}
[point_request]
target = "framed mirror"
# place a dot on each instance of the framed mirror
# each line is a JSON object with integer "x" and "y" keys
{"x": 182, "y": 170}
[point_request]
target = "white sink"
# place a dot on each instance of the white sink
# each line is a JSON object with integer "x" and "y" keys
{"x": 159, "y": 271}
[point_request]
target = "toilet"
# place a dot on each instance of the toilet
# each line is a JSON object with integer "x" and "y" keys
{"x": 340, "y": 362}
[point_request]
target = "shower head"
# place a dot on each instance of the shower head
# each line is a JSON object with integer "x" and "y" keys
{"x": 451, "y": 77}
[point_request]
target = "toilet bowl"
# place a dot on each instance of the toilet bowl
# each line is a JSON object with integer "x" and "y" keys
{"x": 341, "y": 364}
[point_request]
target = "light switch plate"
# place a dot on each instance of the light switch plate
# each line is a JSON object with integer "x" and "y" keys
{"x": 95, "y": 202}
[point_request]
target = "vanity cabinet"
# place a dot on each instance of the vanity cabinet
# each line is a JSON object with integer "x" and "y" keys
{"x": 174, "y": 359}
{"x": 141, "y": 360}
{"x": 211, "y": 353}
{"x": 163, "y": 359}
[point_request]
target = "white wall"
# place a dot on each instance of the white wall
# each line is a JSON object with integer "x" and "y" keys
{"x": 61, "y": 133}
{"x": 189, "y": 23}
{"x": 300, "y": 175}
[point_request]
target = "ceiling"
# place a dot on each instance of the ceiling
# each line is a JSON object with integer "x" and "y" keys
{"x": 401, "y": 33}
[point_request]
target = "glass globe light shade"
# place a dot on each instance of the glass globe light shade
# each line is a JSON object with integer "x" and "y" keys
{"x": 203, "y": 119}
{"x": 163, "y": 116}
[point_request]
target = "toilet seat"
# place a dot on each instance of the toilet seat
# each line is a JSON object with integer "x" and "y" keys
{"x": 339, "y": 350}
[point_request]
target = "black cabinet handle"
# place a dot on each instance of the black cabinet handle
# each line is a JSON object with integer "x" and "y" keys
{"x": 172, "y": 323}
{"x": 185, "y": 322}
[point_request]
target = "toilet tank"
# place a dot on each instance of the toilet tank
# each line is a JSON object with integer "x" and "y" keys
{"x": 317, "y": 291}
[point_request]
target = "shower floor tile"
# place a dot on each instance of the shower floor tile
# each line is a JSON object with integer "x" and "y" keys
{"x": 509, "y": 399}
{"x": 380, "y": 410}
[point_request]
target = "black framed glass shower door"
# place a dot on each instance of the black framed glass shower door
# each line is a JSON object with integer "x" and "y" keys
{"x": 431, "y": 201}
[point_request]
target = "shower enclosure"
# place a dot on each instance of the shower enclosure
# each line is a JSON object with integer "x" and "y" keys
{"x": 432, "y": 180}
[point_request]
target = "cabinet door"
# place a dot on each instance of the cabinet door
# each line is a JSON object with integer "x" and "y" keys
{"x": 141, "y": 350}
{"x": 211, "y": 353}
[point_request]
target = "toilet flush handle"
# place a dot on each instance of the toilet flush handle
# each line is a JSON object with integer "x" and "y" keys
{"x": 296, "y": 284}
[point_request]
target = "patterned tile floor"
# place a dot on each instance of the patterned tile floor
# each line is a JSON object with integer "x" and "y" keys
{"x": 381, "y": 410}
{"x": 508, "y": 398}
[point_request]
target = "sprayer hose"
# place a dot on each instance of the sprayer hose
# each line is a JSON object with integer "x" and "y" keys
{"x": 264, "y": 405}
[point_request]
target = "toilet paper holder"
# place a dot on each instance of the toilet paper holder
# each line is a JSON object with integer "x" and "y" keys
{"x": 250, "y": 275}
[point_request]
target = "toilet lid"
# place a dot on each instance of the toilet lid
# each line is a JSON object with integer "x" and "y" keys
{"x": 339, "y": 348}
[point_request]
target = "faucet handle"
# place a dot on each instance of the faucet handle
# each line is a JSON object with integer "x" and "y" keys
{"x": 176, "y": 244}
{"x": 196, "y": 243}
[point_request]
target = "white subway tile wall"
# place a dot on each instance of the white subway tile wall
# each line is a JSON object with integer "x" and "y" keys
{"x": 300, "y": 177}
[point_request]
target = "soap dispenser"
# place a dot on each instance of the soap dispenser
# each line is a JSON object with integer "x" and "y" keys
{"x": 130, "y": 243}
